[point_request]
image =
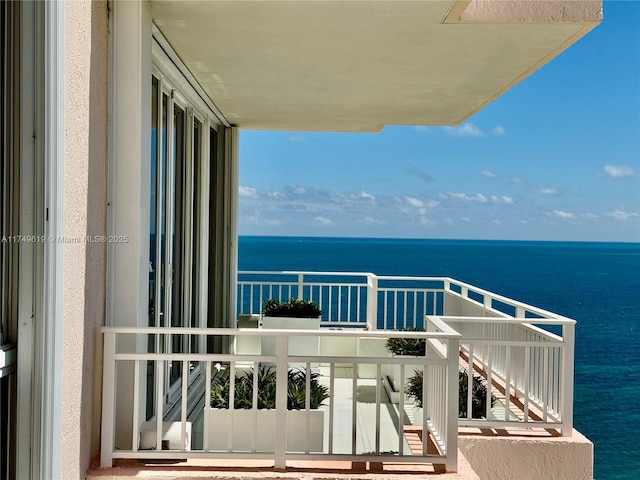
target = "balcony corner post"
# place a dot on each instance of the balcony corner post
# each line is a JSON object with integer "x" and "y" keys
{"x": 568, "y": 337}
{"x": 282, "y": 367}
{"x": 108, "y": 400}
{"x": 453, "y": 350}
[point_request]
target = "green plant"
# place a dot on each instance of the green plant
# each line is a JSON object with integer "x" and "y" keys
{"x": 243, "y": 397}
{"x": 407, "y": 346}
{"x": 291, "y": 308}
{"x": 414, "y": 387}
{"x": 416, "y": 347}
{"x": 478, "y": 399}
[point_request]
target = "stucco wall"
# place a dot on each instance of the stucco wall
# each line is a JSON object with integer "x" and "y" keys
{"x": 85, "y": 177}
{"x": 529, "y": 457}
{"x": 494, "y": 11}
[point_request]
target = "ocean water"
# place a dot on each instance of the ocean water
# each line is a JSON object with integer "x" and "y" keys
{"x": 597, "y": 284}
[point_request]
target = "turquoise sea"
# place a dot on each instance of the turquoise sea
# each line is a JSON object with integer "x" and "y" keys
{"x": 597, "y": 284}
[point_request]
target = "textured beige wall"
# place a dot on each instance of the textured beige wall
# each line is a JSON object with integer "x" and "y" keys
{"x": 86, "y": 47}
{"x": 541, "y": 11}
{"x": 529, "y": 457}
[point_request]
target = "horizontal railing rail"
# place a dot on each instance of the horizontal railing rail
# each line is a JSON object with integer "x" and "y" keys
{"x": 134, "y": 378}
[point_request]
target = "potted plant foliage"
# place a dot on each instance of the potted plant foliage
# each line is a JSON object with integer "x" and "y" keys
{"x": 293, "y": 308}
{"x": 243, "y": 410}
{"x": 417, "y": 347}
{"x": 478, "y": 398}
{"x": 405, "y": 347}
{"x": 293, "y": 314}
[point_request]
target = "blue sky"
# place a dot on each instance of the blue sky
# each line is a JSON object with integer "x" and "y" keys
{"x": 557, "y": 157}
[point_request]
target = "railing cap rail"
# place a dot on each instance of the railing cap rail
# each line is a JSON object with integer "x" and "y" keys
{"x": 559, "y": 320}
{"x": 503, "y": 299}
{"x": 277, "y": 332}
{"x": 303, "y": 272}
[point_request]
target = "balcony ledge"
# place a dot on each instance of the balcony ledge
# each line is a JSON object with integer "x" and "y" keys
{"x": 260, "y": 470}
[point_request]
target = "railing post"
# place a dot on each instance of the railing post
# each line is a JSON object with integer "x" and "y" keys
{"x": 568, "y": 338}
{"x": 452, "y": 404}
{"x": 108, "y": 399}
{"x": 446, "y": 289}
{"x": 301, "y": 287}
{"x": 487, "y": 301}
{"x": 282, "y": 367}
{"x": 372, "y": 301}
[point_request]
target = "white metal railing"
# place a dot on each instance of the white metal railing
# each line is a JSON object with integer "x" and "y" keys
{"x": 521, "y": 353}
{"x": 531, "y": 368}
{"x": 191, "y": 431}
{"x": 348, "y": 298}
{"x": 527, "y": 351}
{"x": 344, "y": 298}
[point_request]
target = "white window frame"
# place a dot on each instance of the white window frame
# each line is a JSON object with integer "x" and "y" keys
{"x": 181, "y": 93}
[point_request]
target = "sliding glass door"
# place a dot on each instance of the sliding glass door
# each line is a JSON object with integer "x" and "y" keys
{"x": 181, "y": 152}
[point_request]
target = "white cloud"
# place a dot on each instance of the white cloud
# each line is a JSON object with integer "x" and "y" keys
{"x": 465, "y": 130}
{"x": 488, "y": 174}
{"x": 548, "y": 191}
{"x": 562, "y": 214}
{"x": 620, "y": 171}
{"x": 296, "y": 138}
{"x": 258, "y": 219}
{"x": 247, "y": 192}
{"x": 478, "y": 197}
{"x": 367, "y": 196}
{"x": 502, "y": 199}
{"x": 421, "y": 128}
{"x": 621, "y": 215}
{"x": 589, "y": 215}
{"x": 272, "y": 222}
{"x": 470, "y": 130}
{"x": 323, "y": 220}
{"x": 371, "y": 221}
{"x": 299, "y": 190}
{"x": 414, "y": 202}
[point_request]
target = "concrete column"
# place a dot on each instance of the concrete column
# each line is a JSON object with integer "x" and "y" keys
{"x": 85, "y": 210}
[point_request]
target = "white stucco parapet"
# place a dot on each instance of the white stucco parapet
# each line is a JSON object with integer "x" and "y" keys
{"x": 529, "y": 457}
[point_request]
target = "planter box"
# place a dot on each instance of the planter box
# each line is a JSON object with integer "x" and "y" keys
{"x": 372, "y": 347}
{"x": 297, "y": 345}
{"x": 247, "y": 345}
{"x": 265, "y": 429}
{"x": 338, "y": 346}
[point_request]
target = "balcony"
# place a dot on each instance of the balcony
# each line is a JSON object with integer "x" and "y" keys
{"x": 516, "y": 361}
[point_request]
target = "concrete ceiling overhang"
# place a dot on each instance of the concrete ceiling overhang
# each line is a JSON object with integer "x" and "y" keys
{"x": 360, "y": 65}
